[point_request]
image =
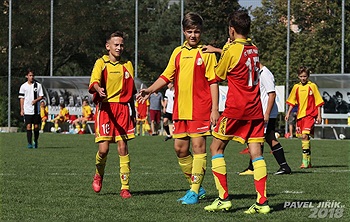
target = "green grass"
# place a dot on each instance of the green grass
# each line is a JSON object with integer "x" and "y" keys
{"x": 53, "y": 183}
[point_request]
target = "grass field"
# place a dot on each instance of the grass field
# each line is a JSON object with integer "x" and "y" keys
{"x": 53, "y": 183}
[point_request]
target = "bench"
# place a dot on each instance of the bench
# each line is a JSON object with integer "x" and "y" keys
{"x": 333, "y": 121}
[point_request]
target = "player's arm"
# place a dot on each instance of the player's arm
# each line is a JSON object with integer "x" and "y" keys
{"x": 270, "y": 103}
{"x": 144, "y": 94}
{"x": 21, "y": 102}
{"x": 214, "y": 115}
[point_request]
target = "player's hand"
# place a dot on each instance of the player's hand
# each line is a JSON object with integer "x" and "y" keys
{"x": 101, "y": 92}
{"x": 214, "y": 116}
{"x": 143, "y": 95}
{"x": 208, "y": 49}
{"x": 286, "y": 117}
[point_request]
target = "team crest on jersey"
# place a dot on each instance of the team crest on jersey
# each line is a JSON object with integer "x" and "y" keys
{"x": 199, "y": 61}
{"x": 310, "y": 93}
{"x": 126, "y": 75}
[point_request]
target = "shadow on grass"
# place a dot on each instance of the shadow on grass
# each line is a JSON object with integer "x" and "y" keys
{"x": 147, "y": 192}
{"x": 327, "y": 166}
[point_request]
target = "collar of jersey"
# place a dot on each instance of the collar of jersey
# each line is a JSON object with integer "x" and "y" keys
{"x": 247, "y": 41}
{"x": 199, "y": 46}
{"x": 106, "y": 59}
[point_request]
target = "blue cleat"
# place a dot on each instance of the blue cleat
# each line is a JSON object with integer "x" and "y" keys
{"x": 35, "y": 145}
{"x": 201, "y": 194}
{"x": 191, "y": 198}
{"x": 29, "y": 146}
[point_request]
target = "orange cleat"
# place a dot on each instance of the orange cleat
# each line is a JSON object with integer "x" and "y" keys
{"x": 125, "y": 194}
{"x": 97, "y": 183}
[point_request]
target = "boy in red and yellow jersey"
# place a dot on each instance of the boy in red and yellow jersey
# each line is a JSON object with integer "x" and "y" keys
{"x": 62, "y": 117}
{"x": 195, "y": 103}
{"x": 87, "y": 116}
{"x": 141, "y": 116}
{"x": 242, "y": 119}
{"x": 305, "y": 94}
{"x": 44, "y": 113}
{"x": 112, "y": 83}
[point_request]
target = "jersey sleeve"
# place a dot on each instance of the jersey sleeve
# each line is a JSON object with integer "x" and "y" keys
{"x": 169, "y": 72}
{"x": 292, "y": 99}
{"x": 96, "y": 74}
{"x": 318, "y": 98}
{"x": 21, "y": 92}
{"x": 267, "y": 80}
{"x": 210, "y": 68}
{"x": 223, "y": 65}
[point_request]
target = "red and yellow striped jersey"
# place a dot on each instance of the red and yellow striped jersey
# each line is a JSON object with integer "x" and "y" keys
{"x": 117, "y": 78}
{"x": 239, "y": 64}
{"x": 64, "y": 113}
{"x": 192, "y": 72}
{"x": 142, "y": 108}
{"x": 307, "y": 97}
{"x": 86, "y": 110}
{"x": 44, "y": 111}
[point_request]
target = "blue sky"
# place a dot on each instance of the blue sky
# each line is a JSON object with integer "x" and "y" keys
{"x": 247, "y": 3}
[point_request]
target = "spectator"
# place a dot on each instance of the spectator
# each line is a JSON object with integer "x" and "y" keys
{"x": 44, "y": 113}
{"x": 168, "y": 109}
{"x": 142, "y": 110}
{"x": 62, "y": 117}
{"x": 86, "y": 116}
{"x": 155, "y": 110}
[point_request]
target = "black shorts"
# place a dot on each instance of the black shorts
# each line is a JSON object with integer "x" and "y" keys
{"x": 32, "y": 119}
{"x": 169, "y": 116}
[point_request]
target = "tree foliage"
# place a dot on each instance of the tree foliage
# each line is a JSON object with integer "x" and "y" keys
{"x": 81, "y": 26}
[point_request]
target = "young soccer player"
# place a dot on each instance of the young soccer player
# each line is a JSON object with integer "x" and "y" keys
{"x": 62, "y": 117}
{"x": 142, "y": 110}
{"x": 87, "y": 116}
{"x": 44, "y": 113}
{"x": 305, "y": 94}
{"x": 195, "y": 103}
{"x": 242, "y": 119}
{"x": 30, "y": 93}
{"x": 112, "y": 83}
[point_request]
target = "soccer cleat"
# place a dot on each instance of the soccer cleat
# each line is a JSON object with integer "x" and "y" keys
{"x": 97, "y": 183}
{"x": 255, "y": 208}
{"x": 35, "y": 145}
{"x": 284, "y": 170}
{"x": 304, "y": 167}
{"x": 167, "y": 138}
{"x": 190, "y": 198}
{"x": 244, "y": 151}
{"x": 246, "y": 172}
{"x": 218, "y": 205}
{"x": 81, "y": 132}
{"x": 41, "y": 131}
{"x": 201, "y": 194}
{"x": 125, "y": 194}
{"x": 29, "y": 146}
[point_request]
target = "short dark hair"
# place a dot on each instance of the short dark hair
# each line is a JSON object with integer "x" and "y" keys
{"x": 304, "y": 69}
{"x": 240, "y": 21}
{"x": 192, "y": 20}
{"x": 338, "y": 94}
{"x": 115, "y": 34}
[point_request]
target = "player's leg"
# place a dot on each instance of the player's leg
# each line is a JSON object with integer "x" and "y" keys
{"x": 101, "y": 158}
{"x": 217, "y": 149}
{"x": 28, "y": 119}
{"x": 276, "y": 148}
{"x": 198, "y": 170}
{"x": 260, "y": 177}
{"x": 43, "y": 123}
{"x": 124, "y": 168}
{"x": 36, "y": 122}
